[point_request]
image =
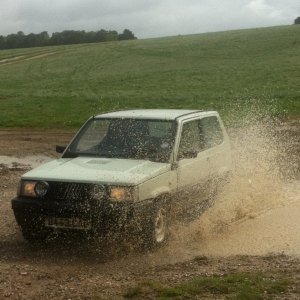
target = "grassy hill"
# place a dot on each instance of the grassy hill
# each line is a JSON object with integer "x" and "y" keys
{"x": 62, "y": 86}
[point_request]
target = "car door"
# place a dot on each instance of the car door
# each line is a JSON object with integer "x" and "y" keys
{"x": 193, "y": 166}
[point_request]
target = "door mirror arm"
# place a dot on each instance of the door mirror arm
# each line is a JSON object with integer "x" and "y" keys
{"x": 60, "y": 149}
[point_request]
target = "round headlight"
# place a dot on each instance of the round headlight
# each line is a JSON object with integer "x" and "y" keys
{"x": 41, "y": 188}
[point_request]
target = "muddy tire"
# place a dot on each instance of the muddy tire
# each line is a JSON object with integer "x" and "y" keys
{"x": 34, "y": 236}
{"x": 155, "y": 232}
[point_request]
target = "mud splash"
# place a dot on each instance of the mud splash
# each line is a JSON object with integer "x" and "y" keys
{"x": 258, "y": 212}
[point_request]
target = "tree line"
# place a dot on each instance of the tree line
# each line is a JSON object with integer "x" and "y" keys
{"x": 66, "y": 37}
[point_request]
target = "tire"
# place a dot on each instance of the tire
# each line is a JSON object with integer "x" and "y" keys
{"x": 35, "y": 235}
{"x": 155, "y": 232}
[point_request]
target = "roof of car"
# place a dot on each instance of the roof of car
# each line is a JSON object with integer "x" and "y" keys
{"x": 165, "y": 114}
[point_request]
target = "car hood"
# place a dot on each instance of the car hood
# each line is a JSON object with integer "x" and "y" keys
{"x": 98, "y": 170}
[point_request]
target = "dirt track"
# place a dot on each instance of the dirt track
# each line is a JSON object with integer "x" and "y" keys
{"x": 16, "y": 59}
{"x": 254, "y": 236}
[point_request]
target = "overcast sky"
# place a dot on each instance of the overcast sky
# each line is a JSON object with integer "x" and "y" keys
{"x": 146, "y": 18}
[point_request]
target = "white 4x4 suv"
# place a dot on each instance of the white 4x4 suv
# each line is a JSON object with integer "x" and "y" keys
{"x": 128, "y": 170}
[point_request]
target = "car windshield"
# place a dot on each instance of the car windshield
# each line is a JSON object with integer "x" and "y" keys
{"x": 125, "y": 138}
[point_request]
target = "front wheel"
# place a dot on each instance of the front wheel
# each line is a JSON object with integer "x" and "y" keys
{"x": 156, "y": 232}
{"x": 160, "y": 226}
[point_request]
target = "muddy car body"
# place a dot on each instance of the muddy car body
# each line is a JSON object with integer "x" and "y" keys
{"x": 129, "y": 170}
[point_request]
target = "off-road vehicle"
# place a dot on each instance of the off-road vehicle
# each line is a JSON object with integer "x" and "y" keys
{"x": 126, "y": 170}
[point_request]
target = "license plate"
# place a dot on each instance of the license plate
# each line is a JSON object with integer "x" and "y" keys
{"x": 71, "y": 223}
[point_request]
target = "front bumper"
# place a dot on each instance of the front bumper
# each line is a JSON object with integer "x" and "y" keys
{"x": 104, "y": 216}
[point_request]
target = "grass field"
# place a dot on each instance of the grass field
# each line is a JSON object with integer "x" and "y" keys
{"x": 239, "y": 286}
{"x": 55, "y": 87}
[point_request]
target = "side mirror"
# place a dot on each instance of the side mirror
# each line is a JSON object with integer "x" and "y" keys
{"x": 60, "y": 149}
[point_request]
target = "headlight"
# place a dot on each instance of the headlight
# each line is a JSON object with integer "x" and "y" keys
{"x": 120, "y": 193}
{"x": 33, "y": 188}
{"x": 41, "y": 188}
{"x": 27, "y": 188}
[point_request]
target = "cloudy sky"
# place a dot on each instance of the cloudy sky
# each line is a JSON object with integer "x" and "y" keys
{"x": 146, "y": 18}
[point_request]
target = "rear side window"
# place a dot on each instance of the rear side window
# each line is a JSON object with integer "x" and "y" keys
{"x": 211, "y": 130}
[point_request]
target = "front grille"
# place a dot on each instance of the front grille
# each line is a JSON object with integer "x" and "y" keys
{"x": 69, "y": 191}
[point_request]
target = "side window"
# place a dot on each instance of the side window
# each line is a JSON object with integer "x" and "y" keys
{"x": 190, "y": 140}
{"x": 211, "y": 130}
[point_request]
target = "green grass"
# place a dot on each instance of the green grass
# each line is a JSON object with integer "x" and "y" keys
{"x": 240, "y": 286}
{"x": 226, "y": 71}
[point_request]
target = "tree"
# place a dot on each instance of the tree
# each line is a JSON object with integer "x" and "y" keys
{"x": 126, "y": 35}
{"x": 56, "y": 39}
{"x": 297, "y": 20}
{"x": 89, "y": 37}
{"x": 30, "y": 40}
{"x": 111, "y": 35}
{"x": 20, "y": 40}
{"x": 43, "y": 38}
{"x": 101, "y": 35}
{"x": 12, "y": 41}
{"x": 2, "y": 42}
